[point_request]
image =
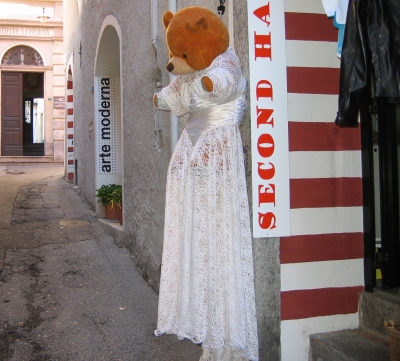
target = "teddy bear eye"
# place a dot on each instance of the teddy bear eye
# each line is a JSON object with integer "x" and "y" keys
{"x": 185, "y": 56}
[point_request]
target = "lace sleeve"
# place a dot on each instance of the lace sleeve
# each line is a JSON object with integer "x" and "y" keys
{"x": 227, "y": 79}
{"x": 173, "y": 97}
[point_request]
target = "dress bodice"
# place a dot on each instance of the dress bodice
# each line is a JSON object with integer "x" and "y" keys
{"x": 203, "y": 117}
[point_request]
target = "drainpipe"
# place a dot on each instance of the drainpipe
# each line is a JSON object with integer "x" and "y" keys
{"x": 173, "y": 118}
{"x": 154, "y": 22}
{"x": 157, "y": 78}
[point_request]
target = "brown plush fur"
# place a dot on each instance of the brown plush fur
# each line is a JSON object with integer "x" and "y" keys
{"x": 195, "y": 37}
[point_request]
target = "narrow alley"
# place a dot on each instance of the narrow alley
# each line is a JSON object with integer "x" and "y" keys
{"x": 67, "y": 291}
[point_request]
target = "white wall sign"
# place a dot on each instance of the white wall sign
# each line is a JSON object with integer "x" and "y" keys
{"x": 106, "y": 127}
{"x": 59, "y": 103}
{"x": 269, "y": 119}
{"x": 17, "y": 31}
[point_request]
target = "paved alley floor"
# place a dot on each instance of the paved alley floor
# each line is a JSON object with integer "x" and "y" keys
{"x": 67, "y": 291}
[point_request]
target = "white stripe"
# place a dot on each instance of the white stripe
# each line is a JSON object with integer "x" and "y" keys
{"x": 309, "y": 6}
{"x": 305, "y": 221}
{"x": 312, "y": 54}
{"x": 325, "y": 274}
{"x": 325, "y": 164}
{"x": 295, "y": 333}
{"x": 312, "y": 107}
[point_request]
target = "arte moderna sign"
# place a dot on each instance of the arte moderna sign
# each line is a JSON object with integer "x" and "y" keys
{"x": 269, "y": 119}
{"x": 106, "y": 128}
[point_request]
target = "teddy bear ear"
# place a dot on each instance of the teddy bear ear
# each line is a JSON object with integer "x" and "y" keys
{"x": 168, "y": 15}
{"x": 201, "y": 21}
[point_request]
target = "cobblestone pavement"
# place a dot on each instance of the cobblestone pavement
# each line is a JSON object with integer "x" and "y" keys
{"x": 67, "y": 291}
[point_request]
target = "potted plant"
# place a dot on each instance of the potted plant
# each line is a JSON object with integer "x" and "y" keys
{"x": 106, "y": 198}
{"x": 116, "y": 200}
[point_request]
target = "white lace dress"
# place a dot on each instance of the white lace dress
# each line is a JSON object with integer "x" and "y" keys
{"x": 207, "y": 283}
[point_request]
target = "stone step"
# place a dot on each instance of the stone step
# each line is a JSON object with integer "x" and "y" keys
{"x": 28, "y": 160}
{"x": 35, "y": 149}
{"x": 375, "y": 308}
{"x": 349, "y": 345}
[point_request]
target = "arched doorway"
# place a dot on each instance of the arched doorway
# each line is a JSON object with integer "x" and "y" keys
{"x": 22, "y": 111}
{"x": 108, "y": 107}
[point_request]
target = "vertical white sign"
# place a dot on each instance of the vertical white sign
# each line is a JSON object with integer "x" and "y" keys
{"x": 269, "y": 119}
{"x": 106, "y": 132}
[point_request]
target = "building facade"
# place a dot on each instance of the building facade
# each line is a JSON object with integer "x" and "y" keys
{"x": 306, "y": 282}
{"x": 32, "y": 81}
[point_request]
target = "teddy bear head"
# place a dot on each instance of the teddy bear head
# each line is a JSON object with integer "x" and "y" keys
{"x": 195, "y": 37}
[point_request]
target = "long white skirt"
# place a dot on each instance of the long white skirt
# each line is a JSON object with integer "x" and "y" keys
{"x": 207, "y": 282}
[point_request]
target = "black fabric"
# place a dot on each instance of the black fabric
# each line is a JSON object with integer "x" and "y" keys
{"x": 371, "y": 47}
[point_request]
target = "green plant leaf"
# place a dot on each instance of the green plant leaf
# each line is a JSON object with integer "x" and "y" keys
{"x": 110, "y": 194}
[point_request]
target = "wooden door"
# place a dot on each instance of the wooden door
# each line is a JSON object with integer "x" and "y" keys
{"x": 11, "y": 114}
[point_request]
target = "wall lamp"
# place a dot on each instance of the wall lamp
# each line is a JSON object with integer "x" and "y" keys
{"x": 221, "y": 8}
{"x": 43, "y": 18}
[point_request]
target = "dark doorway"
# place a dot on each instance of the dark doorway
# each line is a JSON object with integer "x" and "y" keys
{"x": 22, "y": 114}
{"x": 33, "y": 105}
{"x": 381, "y": 183}
{"x": 387, "y": 155}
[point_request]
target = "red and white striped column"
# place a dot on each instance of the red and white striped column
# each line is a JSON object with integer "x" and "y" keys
{"x": 322, "y": 262}
{"x": 70, "y": 128}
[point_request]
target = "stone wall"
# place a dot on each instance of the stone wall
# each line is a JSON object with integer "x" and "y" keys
{"x": 265, "y": 251}
{"x": 145, "y": 163}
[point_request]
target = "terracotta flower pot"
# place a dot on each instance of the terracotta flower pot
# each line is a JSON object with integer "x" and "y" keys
{"x": 111, "y": 213}
{"x": 119, "y": 214}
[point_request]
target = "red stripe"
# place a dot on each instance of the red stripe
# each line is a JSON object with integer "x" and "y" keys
{"x": 70, "y": 98}
{"x": 70, "y": 136}
{"x": 70, "y": 149}
{"x": 313, "y": 80}
{"x": 70, "y": 124}
{"x": 325, "y": 192}
{"x": 315, "y": 27}
{"x": 71, "y": 161}
{"x": 319, "y": 302}
{"x": 321, "y": 247}
{"x": 70, "y": 111}
{"x": 69, "y": 84}
{"x": 306, "y": 136}
{"x": 69, "y": 71}
{"x": 71, "y": 176}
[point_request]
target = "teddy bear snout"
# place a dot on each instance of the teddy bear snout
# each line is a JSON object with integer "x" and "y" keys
{"x": 170, "y": 67}
{"x": 179, "y": 66}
